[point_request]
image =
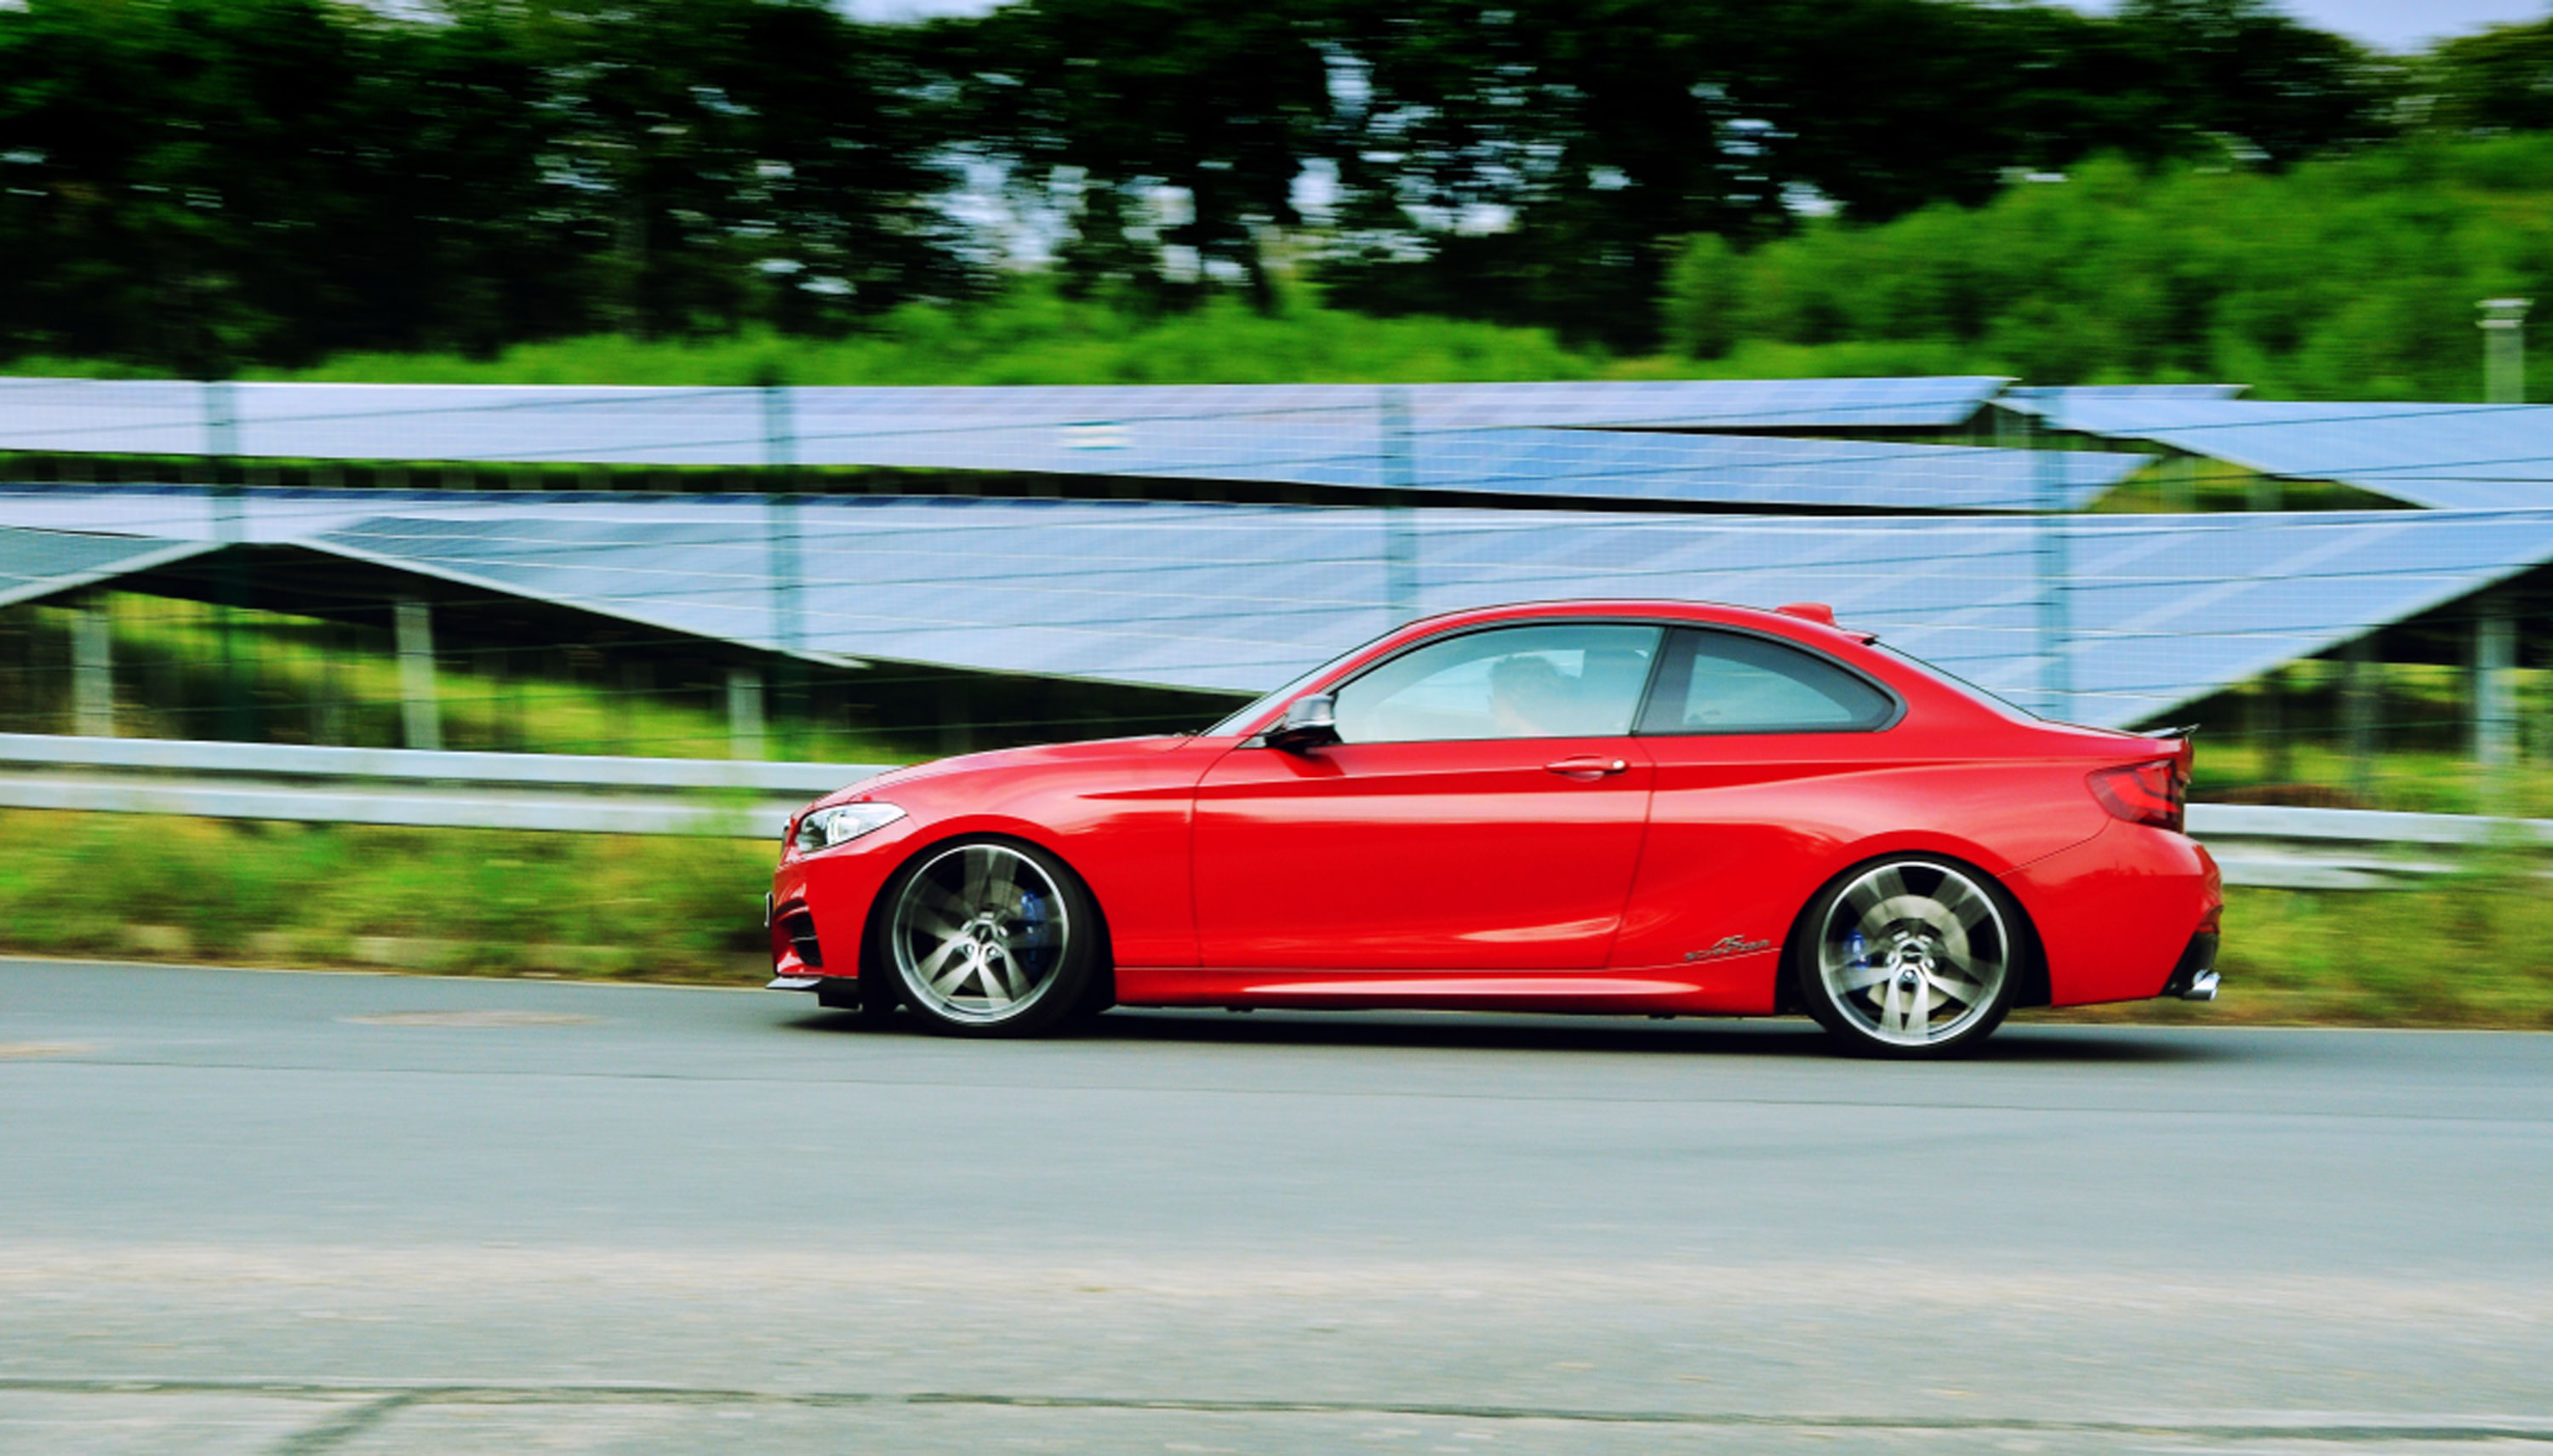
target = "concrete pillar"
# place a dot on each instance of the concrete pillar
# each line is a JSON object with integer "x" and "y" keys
{"x": 92, "y": 672}
{"x": 743, "y": 713}
{"x": 2503, "y": 345}
{"x": 419, "y": 714}
{"x": 2359, "y": 701}
{"x": 2495, "y": 683}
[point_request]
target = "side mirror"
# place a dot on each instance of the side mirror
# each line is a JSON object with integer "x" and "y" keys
{"x": 1309, "y": 722}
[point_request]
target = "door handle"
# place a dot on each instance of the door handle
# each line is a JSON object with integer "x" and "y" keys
{"x": 1587, "y": 766}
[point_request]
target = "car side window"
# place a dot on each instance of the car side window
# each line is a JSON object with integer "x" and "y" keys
{"x": 1555, "y": 680}
{"x": 1733, "y": 683}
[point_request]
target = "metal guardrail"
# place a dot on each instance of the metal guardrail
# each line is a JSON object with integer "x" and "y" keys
{"x": 564, "y": 792}
{"x": 2279, "y": 848}
{"x": 2256, "y": 844}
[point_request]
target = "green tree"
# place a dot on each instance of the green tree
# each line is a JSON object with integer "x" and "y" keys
{"x": 1108, "y": 103}
{"x": 2499, "y": 79}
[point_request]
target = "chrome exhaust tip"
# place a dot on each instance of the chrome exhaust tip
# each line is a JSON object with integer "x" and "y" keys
{"x": 2202, "y": 987}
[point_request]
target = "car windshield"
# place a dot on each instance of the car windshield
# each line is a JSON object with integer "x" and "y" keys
{"x": 1984, "y": 697}
{"x": 1241, "y": 719}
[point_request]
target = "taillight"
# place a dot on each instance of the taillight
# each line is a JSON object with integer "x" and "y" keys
{"x": 2144, "y": 793}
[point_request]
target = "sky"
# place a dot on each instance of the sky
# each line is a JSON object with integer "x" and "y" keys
{"x": 2395, "y": 25}
{"x": 2389, "y": 25}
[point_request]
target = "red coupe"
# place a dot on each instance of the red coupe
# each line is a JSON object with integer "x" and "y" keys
{"x": 1644, "y": 807}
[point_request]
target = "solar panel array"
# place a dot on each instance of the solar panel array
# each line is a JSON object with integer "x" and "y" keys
{"x": 1618, "y": 442}
{"x": 35, "y": 564}
{"x": 2151, "y": 611}
{"x": 519, "y": 422}
{"x": 2159, "y": 610}
{"x": 2442, "y": 456}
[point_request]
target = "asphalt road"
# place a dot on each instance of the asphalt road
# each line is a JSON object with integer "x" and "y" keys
{"x": 266, "y": 1212}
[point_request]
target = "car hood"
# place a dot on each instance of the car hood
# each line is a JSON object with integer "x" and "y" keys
{"x": 996, "y": 759}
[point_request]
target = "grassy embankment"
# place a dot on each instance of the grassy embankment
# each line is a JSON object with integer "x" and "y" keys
{"x": 2473, "y": 951}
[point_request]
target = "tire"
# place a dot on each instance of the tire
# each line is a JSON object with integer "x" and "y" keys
{"x": 987, "y": 936}
{"x": 1910, "y": 955}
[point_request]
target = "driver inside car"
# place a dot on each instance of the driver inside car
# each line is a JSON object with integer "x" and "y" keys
{"x": 1531, "y": 698}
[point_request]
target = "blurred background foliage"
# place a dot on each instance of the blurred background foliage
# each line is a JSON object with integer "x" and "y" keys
{"x": 2347, "y": 278}
{"x": 2175, "y": 188}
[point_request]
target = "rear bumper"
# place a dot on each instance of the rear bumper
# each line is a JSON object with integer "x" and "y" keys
{"x": 2121, "y": 915}
{"x": 2194, "y": 978}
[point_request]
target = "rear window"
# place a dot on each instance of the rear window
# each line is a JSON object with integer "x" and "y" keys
{"x": 1731, "y": 682}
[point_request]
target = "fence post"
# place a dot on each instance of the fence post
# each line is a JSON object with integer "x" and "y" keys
{"x": 1400, "y": 530}
{"x": 419, "y": 716}
{"x": 956, "y": 719}
{"x": 2503, "y": 347}
{"x": 2179, "y": 473}
{"x": 743, "y": 713}
{"x": 2359, "y": 689}
{"x": 230, "y": 568}
{"x": 2270, "y": 726}
{"x": 93, "y": 671}
{"x": 780, "y": 525}
{"x": 2495, "y": 682}
{"x": 2018, "y": 429}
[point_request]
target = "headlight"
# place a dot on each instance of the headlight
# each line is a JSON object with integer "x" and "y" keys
{"x": 841, "y": 823}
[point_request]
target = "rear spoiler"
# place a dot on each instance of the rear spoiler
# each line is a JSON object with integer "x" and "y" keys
{"x": 1824, "y": 616}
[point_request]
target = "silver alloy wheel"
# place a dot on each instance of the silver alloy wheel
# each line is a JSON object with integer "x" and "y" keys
{"x": 1914, "y": 953}
{"x": 978, "y": 933}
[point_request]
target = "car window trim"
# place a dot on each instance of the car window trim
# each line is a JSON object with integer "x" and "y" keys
{"x": 1896, "y": 700}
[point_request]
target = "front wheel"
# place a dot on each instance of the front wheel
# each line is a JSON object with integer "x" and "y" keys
{"x": 988, "y": 937}
{"x": 1911, "y": 957}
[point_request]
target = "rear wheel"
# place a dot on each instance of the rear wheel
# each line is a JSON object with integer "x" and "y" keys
{"x": 1911, "y": 957}
{"x": 988, "y": 937}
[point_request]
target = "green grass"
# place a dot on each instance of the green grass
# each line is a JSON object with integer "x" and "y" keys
{"x": 309, "y": 681}
{"x": 482, "y": 901}
{"x": 2471, "y": 950}
{"x": 619, "y": 692}
{"x": 1030, "y": 336}
{"x": 1026, "y": 336}
{"x": 2475, "y": 949}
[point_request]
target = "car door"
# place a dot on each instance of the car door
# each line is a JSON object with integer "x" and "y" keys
{"x": 1766, "y": 755}
{"x": 1483, "y": 812}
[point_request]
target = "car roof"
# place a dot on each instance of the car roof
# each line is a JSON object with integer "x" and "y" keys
{"x": 1721, "y": 613}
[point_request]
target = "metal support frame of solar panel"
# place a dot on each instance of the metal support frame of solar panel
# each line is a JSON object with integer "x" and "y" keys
{"x": 2440, "y": 456}
{"x": 2040, "y": 399}
{"x": 2163, "y": 609}
{"x": 1341, "y": 440}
